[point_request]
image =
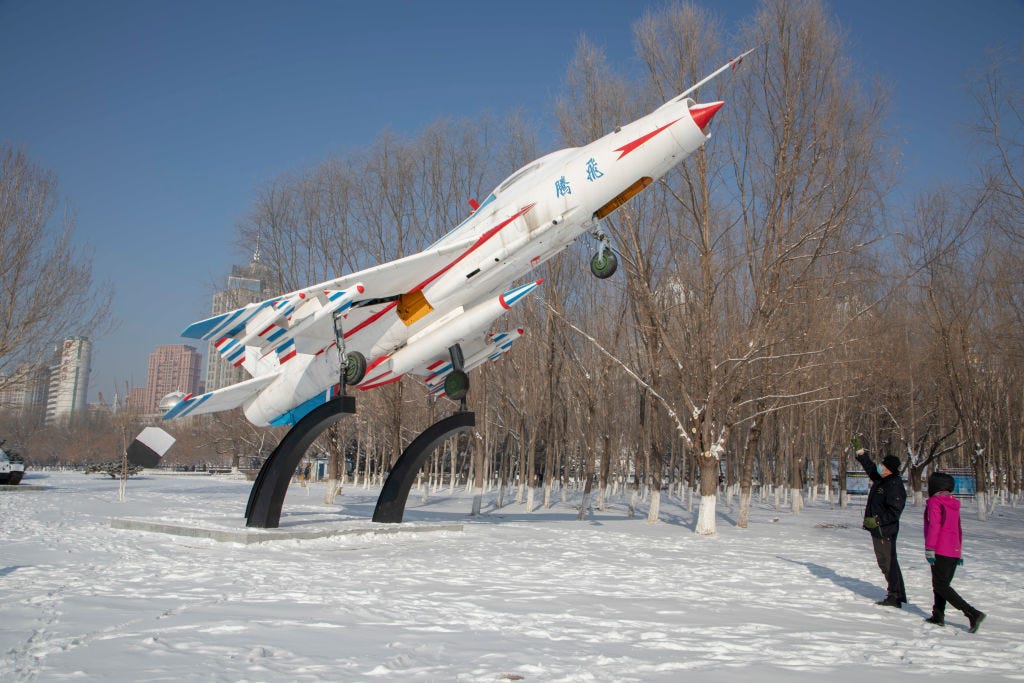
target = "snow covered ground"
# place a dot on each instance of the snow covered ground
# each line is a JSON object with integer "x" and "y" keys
{"x": 514, "y": 596}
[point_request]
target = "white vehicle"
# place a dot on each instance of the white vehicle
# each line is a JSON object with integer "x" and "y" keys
{"x": 428, "y": 314}
{"x": 12, "y": 468}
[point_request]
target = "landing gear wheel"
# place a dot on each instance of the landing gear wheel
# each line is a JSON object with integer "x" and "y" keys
{"x": 604, "y": 264}
{"x": 355, "y": 368}
{"x": 456, "y": 385}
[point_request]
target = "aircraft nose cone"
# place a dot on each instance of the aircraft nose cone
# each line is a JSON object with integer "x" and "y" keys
{"x": 703, "y": 113}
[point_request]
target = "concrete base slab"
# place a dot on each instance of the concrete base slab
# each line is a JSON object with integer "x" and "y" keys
{"x": 228, "y": 532}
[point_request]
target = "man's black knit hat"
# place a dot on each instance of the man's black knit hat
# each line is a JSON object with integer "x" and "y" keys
{"x": 892, "y": 463}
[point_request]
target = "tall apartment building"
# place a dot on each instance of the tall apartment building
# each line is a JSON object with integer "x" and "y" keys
{"x": 69, "y": 381}
{"x": 135, "y": 401}
{"x": 246, "y": 285}
{"x": 175, "y": 367}
{"x": 26, "y": 389}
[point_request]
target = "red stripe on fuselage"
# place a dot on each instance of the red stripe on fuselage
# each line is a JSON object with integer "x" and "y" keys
{"x": 364, "y": 387}
{"x": 376, "y": 378}
{"x": 476, "y": 245}
{"x": 372, "y": 319}
{"x": 630, "y": 146}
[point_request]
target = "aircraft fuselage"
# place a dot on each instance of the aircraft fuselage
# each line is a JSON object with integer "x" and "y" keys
{"x": 453, "y": 291}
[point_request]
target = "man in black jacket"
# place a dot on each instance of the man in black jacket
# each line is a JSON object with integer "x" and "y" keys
{"x": 886, "y": 499}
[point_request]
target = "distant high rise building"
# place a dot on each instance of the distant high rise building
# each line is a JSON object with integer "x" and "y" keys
{"x": 135, "y": 401}
{"x": 246, "y": 285}
{"x": 69, "y": 381}
{"x": 26, "y": 389}
{"x": 175, "y": 367}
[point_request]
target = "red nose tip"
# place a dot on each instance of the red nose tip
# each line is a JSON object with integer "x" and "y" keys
{"x": 703, "y": 113}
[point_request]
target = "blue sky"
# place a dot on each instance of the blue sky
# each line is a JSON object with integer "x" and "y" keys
{"x": 161, "y": 119}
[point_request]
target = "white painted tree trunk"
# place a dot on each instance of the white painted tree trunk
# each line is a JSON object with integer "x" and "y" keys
{"x": 743, "y": 519}
{"x": 796, "y": 501}
{"x": 979, "y": 497}
{"x": 655, "y": 509}
{"x": 584, "y": 505}
{"x": 331, "y": 492}
{"x": 529, "y": 498}
{"x": 706, "y": 516}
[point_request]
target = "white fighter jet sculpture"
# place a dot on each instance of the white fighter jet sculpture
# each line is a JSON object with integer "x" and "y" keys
{"x": 427, "y": 314}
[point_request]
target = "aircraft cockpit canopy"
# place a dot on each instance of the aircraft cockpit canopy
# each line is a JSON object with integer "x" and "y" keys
{"x": 517, "y": 176}
{"x": 527, "y": 171}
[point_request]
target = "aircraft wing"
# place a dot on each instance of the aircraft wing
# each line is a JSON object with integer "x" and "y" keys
{"x": 402, "y": 275}
{"x": 300, "y": 322}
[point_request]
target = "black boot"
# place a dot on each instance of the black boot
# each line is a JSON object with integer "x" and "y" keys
{"x": 976, "y": 618}
{"x": 891, "y": 601}
{"x": 936, "y": 619}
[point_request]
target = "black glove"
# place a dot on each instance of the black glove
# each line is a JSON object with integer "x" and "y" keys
{"x": 871, "y": 523}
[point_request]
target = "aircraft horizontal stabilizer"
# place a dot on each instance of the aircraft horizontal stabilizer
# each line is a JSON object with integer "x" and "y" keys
{"x": 221, "y": 399}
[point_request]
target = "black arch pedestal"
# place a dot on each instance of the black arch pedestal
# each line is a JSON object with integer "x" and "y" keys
{"x": 391, "y": 503}
{"x": 267, "y": 495}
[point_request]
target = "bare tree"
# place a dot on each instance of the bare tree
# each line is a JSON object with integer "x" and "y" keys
{"x": 46, "y": 279}
{"x": 806, "y": 153}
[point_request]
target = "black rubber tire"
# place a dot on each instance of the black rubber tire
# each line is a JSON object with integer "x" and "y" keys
{"x": 355, "y": 370}
{"x": 456, "y": 385}
{"x": 604, "y": 264}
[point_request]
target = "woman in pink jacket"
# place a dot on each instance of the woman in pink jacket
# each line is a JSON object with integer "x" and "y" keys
{"x": 943, "y": 538}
